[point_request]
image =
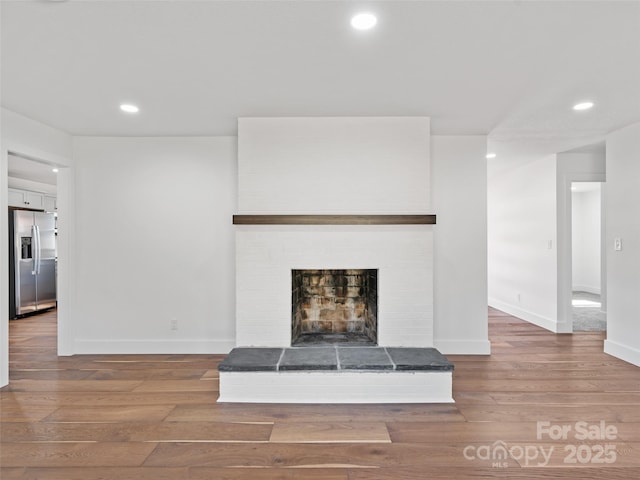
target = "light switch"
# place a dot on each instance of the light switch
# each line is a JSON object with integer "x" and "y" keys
{"x": 617, "y": 244}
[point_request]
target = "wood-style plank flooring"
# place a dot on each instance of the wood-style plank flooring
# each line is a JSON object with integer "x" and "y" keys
{"x": 155, "y": 417}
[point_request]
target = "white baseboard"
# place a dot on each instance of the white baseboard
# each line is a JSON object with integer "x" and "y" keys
{"x": 623, "y": 352}
{"x": 586, "y": 288}
{"x": 336, "y": 387}
{"x": 150, "y": 347}
{"x": 544, "y": 322}
{"x": 463, "y": 347}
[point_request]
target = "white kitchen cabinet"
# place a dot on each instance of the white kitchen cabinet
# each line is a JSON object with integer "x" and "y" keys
{"x": 25, "y": 199}
{"x": 15, "y": 198}
{"x": 50, "y": 203}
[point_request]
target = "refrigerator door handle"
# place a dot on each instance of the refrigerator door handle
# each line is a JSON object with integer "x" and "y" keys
{"x": 37, "y": 256}
{"x": 34, "y": 255}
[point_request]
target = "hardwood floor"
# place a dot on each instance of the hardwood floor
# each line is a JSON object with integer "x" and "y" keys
{"x": 154, "y": 417}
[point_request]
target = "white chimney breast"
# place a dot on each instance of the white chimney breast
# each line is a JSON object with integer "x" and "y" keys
{"x": 349, "y": 166}
{"x": 334, "y": 165}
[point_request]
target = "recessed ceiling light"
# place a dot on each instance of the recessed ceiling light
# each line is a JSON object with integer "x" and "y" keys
{"x": 129, "y": 108}
{"x": 364, "y": 21}
{"x": 583, "y": 106}
{"x": 55, "y": 170}
{"x": 490, "y": 155}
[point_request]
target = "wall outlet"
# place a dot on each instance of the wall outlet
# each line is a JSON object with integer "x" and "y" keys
{"x": 173, "y": 324}
{"x": 617, "y": 244}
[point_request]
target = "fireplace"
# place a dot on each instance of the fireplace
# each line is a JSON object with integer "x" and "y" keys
{"x": 367, "y": 208}
{"x": 334, "y": 307}
{"x": 347, "y": 199}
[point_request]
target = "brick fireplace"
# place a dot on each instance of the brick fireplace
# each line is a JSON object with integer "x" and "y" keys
{"x": 334, "y": 250}
{"x": 266, "y": 256}
{"x": 298, "y": 180}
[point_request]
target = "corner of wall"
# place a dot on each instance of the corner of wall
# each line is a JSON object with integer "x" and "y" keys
{"x": 623, "y": 266}
{"x": 459, "y": 189}
{"x": 4, "y": 272}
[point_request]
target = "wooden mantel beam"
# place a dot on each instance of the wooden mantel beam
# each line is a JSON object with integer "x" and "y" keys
{"x": 334, "y": 219}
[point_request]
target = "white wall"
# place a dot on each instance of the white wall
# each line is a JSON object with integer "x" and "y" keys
{"x": 36, "y": 140}
{"x": 153, "y": 243}
{"x": 459, "y": 173}
{"x": 529, "y": 226}
{"x": 585, "y": 238}
{"x": 522, "y": 241}
{"x": 622, "y": 221}
{"x": 120, "y": 298}
{"x": 341, "y": 165}
{"x": 23, "y": 184}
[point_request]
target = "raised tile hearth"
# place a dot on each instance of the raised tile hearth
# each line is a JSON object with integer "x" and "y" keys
{"x": 335, "y": 374}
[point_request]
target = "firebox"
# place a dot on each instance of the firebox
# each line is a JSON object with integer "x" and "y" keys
{"x": 334, "y": 306}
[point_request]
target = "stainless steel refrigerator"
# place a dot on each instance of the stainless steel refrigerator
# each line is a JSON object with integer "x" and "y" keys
{"x": 32, "y": 262}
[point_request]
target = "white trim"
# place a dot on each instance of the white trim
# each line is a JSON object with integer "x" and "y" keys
{"x": 66, "y": 280}
{"x": 336, "y": 387}
{"x": 463, "y": 347}
{"x": 544, "y": 322}
{"x": 62, "y": 289}
{"x": 4, "y": 272}
{"x": 623, "y": 352}
{"x": 64, "y": 312}
{"x": 150, "y": 347}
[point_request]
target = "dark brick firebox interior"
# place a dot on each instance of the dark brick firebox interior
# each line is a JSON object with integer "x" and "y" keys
{"x": 334, "y": 307}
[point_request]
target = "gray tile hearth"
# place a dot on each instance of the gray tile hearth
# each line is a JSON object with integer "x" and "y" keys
{"x": 311, "y": 358}
{"x": 419, "y": 359}
{"x": 250, "y": 359}
{"x": 334, "y": 358}
{"x": 372, "y": 358}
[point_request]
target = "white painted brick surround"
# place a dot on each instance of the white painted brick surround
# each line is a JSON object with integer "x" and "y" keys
{"x": 339, "y": 165}
{"x": 265, "y": 256}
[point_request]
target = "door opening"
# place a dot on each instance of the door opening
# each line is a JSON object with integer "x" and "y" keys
{"x": 587, "y": 279}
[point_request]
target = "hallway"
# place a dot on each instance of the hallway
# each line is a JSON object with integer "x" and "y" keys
{"x": 587, "y": 313}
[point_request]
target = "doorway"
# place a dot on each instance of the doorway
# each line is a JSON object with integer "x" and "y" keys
{"x": 32, "y": 187}
{"x": 587, "y": 272}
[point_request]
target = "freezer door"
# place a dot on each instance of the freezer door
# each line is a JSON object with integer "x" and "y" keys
{"x": 46, "y": 284}
{"x": 25, "y": 287}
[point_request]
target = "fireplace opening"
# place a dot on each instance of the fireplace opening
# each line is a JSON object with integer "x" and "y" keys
{"x": 334, "y": 306}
